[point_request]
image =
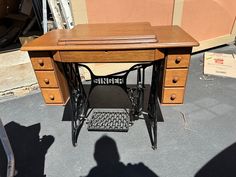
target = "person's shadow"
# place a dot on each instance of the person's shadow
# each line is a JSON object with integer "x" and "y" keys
{"x": 28, "y": 148}
{"x": 222, "y": 165}
{"x": 108, "y": 162}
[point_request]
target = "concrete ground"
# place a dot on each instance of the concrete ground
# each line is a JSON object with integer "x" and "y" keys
{"x": 17, "y": 76}
{"x": 199, "y": 144}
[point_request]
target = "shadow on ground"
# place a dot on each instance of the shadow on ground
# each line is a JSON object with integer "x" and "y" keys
{"x": 108, "y": 162}
{"x": 29, "y": 150}
{"x": 222, "y": 165}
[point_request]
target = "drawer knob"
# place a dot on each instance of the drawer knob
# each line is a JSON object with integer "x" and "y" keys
{"x": 178, "y": 60}
{"x": 175, "y": 79}
{"x": 173, "y": 97}
{"x": 51, "y": 97}
{"x": 46, "y": 81}
{"x": 41, "y": 63}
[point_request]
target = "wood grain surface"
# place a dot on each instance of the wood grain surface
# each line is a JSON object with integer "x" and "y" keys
{"x": 168, "y": 36}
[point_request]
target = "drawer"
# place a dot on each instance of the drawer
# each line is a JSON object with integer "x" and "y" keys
{"x": 175, "y": 77}
{"x": 42, "y": 63}
{"x": 46, "y": 78}
{"x": 52, "y": 96}
{"x": 178, "y": 57}
{"x": 173, "y": 95}
{"x": 107, "y": 56}
{"x": 177, "y": 60}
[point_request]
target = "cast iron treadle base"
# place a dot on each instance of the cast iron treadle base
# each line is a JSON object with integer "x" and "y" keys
{"x": 109, "y": 120}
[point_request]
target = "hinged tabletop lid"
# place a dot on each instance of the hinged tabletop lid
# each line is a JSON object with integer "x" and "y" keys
{"x": 113, "y": 33}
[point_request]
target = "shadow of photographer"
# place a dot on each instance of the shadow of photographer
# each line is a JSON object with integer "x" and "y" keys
{"x": 28, "y": 148}
{"x": 222, "y": 165}
{"x": 108, "y": 162}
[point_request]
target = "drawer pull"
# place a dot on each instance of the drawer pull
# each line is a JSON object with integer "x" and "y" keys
{"x": 178, "y": 60}
{"x": 41, "y": 63}
{"x": 51, "y": 97}
{"x": 175, "y": 79}
{"x": 173, "y": 97}
{"x": 46, "y": 81}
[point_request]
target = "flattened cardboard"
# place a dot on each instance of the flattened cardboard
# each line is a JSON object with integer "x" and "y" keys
{"x": 220, "y": 64}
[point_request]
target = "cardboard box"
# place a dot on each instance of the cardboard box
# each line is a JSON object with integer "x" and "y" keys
{"x": 220, "y": 64}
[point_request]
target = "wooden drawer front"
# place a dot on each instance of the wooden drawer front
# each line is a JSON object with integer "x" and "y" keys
{"x": 173, "y": 95}
{"x": 177, "y": 60}
{"x": 52, "y": 96}
{"x": 107, "y": 56}
{"x": 175, "y": 77}
{"x": 42, "y": 63}
{"x": 46, "y": 78}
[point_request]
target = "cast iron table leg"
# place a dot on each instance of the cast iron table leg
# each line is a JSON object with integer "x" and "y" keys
{"x": 153, "y": 105}
{"x": 79, "y": 101}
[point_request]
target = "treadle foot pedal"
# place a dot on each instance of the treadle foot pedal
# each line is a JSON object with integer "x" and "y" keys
{"x": 109, "y": 120}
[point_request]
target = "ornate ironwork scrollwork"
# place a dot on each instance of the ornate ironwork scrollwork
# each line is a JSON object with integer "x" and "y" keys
{"x": 80, "y": 103}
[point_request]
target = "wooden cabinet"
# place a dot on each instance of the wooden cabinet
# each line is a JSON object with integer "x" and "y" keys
{"x": 173, "y": 49}
{"x": 175, "y": 74}
{"x": 50, "y": 78}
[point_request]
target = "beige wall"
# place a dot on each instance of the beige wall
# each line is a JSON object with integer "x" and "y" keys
{"x": 158, "y": 12}
{"x": 206, "y": 19}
